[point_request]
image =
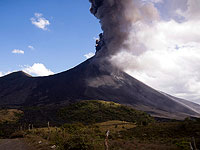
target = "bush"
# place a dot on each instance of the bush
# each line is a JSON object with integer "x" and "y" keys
{"x": 90, "y": 112}
{"x": 183, "y": 145}
{"x": 71, "y": 128}
{"x": 18, "y": 134}
{"x": 78, "y": 142}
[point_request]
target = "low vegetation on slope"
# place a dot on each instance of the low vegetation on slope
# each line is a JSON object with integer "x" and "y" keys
{"x": 9, "y": 121}
{"x": 122, "y": 136}
{"x": 10, "y": 115}
{"x": 183, "y": 135}
{"x": 89, "y": 112}
{"x": 85, "y": 123}
{"x": 86, "y": 112}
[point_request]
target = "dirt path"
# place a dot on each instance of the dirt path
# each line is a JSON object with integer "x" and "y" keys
{"x": 14, "y": 144}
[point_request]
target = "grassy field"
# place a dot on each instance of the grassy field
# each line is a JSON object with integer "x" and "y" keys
{"x": 77, "y": 136}
{"x": 177, "y": 135}
{"x": 123, "y": 136}
{"x": 85, "y": 124}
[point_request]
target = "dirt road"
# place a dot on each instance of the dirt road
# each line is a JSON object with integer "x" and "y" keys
{"x": 14, "y": 144}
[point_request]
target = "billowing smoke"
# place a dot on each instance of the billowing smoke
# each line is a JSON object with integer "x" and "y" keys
{"x": 117, "y": 18}
{"x": 156, "y": 41}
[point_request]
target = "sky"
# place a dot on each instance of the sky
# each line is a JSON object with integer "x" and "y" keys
{"x": 50, "y": 36}
{"x": 45, "y": 37}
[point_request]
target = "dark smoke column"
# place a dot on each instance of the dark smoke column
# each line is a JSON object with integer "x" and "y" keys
{"x": 116, "y": 17}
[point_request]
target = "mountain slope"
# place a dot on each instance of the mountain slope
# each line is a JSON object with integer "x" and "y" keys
{"x": 87, "y": 112}
{"x": 96, "y": 79}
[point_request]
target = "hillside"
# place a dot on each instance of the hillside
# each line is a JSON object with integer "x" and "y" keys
{"x": 95, "y": 78}
{"x": 83, "y": 125}
{"x": 86, "y": 112}
{"x": 101, "y": 111}
{"x": 122, "y": 135}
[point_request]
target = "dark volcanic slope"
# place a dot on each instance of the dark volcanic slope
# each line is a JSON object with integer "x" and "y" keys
{"x": 93, "y": 79}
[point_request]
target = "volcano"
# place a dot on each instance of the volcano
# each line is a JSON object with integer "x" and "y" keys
{"x": 97, "y": 78}
{"x": 94, "y": 79}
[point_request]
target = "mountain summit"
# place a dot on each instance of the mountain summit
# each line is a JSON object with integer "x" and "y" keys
{"x": 94, "y": 79}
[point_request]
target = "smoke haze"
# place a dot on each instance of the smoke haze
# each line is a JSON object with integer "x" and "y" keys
{"x": 155, "y": 41}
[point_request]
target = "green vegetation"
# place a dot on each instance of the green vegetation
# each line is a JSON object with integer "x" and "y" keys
{"x": 86, "y": 112}
{"x": 90, "y": 112}
{"x": 78, "y": 136}
{"x": 9, "y": 121}
{"x": 10, "y": 115}
{"x": 85, "y": 123}
{"x": 115, "y": 126}
{"x": 170, "y": 133}
{"x": 71, "y": 137}
{"x": 123, "y": 135}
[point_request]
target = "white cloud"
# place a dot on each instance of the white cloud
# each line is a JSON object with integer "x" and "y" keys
{"x": 37, "y": 69}
{"x": 40, "y": 22}
{"x": 89, "y": 55}
{"x": 17, "y": 51}
{"x": 6, "y": 73}
{"x": 166, "y": 55}
{"x": 31, "y": 47}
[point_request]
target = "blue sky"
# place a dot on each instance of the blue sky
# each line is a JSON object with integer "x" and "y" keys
{"x": 63, "y": 45}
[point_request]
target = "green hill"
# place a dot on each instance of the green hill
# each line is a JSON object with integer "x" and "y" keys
{"x": 86, "y": 112}
{"x": 89, "y": 112}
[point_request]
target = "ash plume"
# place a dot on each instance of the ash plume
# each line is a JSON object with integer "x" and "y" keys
{"x": 117, "y": 18}
{"x": 151, "y": 40}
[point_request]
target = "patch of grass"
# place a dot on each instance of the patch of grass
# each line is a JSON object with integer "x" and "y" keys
{"x": 121, "y": 144}
{"x": 10, "y": 115}
{"x": 70, "y": 137}
{"x": 9, "y": 121}
{"x": 172, "y": 133}
{"x": 17, "y": 134}
{"x": 86, "y": 112}
{"x": 38, "y": 142}
{"x": 126, "y": 136}
{"x": 90, "y": 112}
{"x": 115, "y": 126}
